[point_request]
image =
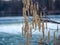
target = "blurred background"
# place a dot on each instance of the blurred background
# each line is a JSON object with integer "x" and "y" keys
{"x": 14, "y": 7}
{"x": 10, "y": 7}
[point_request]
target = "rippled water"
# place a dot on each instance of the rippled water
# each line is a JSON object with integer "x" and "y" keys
{"x": 11, "y": 27}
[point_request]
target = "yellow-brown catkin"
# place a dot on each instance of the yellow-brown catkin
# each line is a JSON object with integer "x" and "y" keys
{"x": 31, "y": 8}
{"x": 28, "y": 3}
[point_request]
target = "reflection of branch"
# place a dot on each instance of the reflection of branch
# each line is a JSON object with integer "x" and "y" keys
{"x": 46, "y": 20}
{"x": 53, "y": 29}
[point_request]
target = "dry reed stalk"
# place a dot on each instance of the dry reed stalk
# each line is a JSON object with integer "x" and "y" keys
{"x": 54, "y": 38}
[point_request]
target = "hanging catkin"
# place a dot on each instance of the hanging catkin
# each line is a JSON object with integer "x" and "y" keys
{"x": 37, "y": 6}
{"x": 31, "y": 8}
{"x": 38, "y": 22}
{"x": 30, "y": 31}
{"x": 28, "y": 8}
{"x": 26, "y": 25}
{"x": 24, "y": 14}
{"x": 28, "y": 3}
{"x": 43, "y": 28}
{"x": 28, "y": 13}
{"x": 36, "y": 17}
{"x": 24, "y": 1}
{"x": 24, "y": 11}
{"x": 28, "y": 39}
{"x": 41, "y": 14}
{"x": 54, "y": 39}
{"x": 33, "y": 21}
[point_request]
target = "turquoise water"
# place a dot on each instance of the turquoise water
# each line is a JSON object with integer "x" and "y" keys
{"x": 11, "y": 32}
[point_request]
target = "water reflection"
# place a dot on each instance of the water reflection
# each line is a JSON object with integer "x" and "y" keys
{"x": 11, "y": 34}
